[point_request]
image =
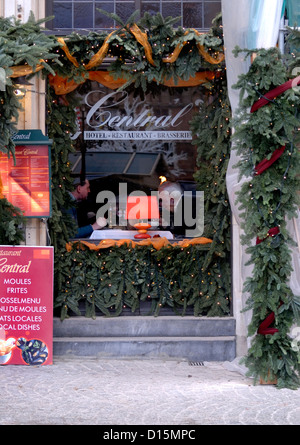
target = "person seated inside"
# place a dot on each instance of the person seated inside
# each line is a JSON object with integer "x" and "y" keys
{"x": 79, "y": 194}
{"x": 174, "y": 203}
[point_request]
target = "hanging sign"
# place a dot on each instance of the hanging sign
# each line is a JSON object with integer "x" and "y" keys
{"x": 26, "y": 305}
{"x": 26, "y": 180}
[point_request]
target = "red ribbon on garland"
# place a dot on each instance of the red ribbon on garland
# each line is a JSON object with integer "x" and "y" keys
{"x": 266, "y": 163}
{"x": 264, "y": 328}
{"x": 272, "y": 232}
{"x": 267, "y": 98}
{"x": 270, "y": 95}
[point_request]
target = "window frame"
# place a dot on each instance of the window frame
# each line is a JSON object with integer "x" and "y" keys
{"x": 137, "y": 5}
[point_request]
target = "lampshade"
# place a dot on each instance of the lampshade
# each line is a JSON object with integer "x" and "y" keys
{"x": 142, "y": 208}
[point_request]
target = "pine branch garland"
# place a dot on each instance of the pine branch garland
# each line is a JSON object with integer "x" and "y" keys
{"x": 20, "y": 44}
{"x": 112, "y": 280}
{"x": 266, "y": 202}
{"x": 211, "y": 129}
{"x": 12, "y": 223}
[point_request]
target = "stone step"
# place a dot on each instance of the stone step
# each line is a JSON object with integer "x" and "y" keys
{"x": 195, "y": 349}
{"x": 167, "y": 326}
{"x": 173, "y": 337}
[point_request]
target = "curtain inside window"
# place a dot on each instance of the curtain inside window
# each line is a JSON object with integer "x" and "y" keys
{"x": 293, "y": 12}
{"x": 248, "y": 24}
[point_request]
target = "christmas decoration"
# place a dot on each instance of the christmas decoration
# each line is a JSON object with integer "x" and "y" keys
{"x": 211, "y": 128}
{"x": 12, "y": 223}
{"x": 140, "y": 56}
{"x": 157, "y": 53}
{"x": 131, "y": 273}
{"x": 24, "y": 49}
{"x": 76, "y": 53}
{"x": 146, "y": 56}
{"x": 266, "y": 141}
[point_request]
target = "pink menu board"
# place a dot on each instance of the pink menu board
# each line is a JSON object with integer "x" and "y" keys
{"x": 26, "y": 180}
{"x": 26, "y": 305}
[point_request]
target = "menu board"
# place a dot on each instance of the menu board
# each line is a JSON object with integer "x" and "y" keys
{"x": 26, "y": 180}
{"x": 26, "y": 305}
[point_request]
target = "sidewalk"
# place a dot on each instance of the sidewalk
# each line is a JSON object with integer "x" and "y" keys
{"x": 97, "y": 391}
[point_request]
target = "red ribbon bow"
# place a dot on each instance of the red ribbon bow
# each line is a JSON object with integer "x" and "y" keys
{"x": 272, "y": 232}
{"x": 264, "y": 328}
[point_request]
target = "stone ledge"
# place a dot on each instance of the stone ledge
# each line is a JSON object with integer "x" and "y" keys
{"x": 145, "y": 326}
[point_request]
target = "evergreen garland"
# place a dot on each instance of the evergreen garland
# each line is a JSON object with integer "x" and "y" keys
{"x": 9, "y": 113}
{"x": 11, "y": 224}
{"x": 129, "y": 59}
{"x": 110, "y": 280}
{"x": 292, "y": 50}
{"x": 61, "y": 125}
{"x": 267, "y": 199}
{"x": 212, "y": 136}
{"x": 20, "y": 44}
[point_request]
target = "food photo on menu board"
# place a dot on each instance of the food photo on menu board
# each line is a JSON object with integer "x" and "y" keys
{"x": 26, "y": 305}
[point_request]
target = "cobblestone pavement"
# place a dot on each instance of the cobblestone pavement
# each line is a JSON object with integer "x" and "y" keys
{"x": 96, "y": 391}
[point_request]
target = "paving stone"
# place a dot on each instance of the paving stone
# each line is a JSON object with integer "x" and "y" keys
{"x": 97, "y": 391}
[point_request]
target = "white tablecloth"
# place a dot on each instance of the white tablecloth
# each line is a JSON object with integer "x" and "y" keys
{"x": 127, "y": 234}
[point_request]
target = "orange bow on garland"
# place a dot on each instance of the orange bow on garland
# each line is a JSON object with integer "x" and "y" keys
{"x": 25, "y": 70}
{"x": 201, "y": 49}
{"x": 157, "y": 243}
{"x": 141, "y": 37}
{"x": 64, "y": 86}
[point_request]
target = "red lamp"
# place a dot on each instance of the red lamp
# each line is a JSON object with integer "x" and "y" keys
{"x": 142, "y": 209}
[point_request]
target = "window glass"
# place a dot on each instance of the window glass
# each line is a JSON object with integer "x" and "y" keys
{"x": 142, "y": 164}
{"x": 172, "y": 9}
{"x": 132, "y": 143}
{"x": 83, "y": 15}
{"x": 63, "y": 15}
{"x": 125, "y": 9}
{"x": 101, "y": 20}
{"x": 211, "y": 9}
{"x": 150, "y": 7}
{"x": 192, "y": 15}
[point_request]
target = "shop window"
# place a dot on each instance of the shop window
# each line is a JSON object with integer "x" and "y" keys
{"x": 124, "y": 139}
{"x": 127, "y": 145}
